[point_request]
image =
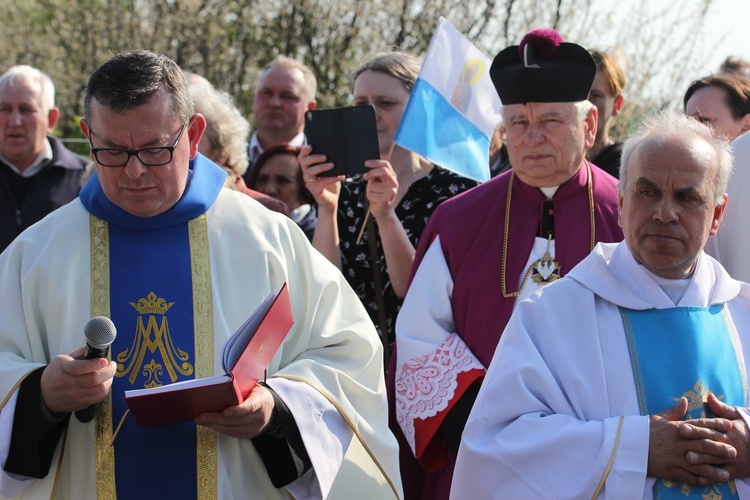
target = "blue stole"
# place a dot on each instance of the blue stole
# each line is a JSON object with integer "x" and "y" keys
{"x": 152, "y": 297}
{"x": 685, "y": 351}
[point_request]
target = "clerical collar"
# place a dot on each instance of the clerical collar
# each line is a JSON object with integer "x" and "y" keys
{"x": 203, "y": 186}
{"x": 549, "y": 192}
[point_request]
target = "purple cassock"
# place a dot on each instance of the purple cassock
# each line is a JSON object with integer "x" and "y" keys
{"x": 472, "y": 229}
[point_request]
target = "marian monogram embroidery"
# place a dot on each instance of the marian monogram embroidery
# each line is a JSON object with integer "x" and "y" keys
{"x": 153, "y": 352}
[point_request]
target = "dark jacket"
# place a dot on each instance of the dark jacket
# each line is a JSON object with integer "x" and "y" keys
{"x": 25, "y": 201}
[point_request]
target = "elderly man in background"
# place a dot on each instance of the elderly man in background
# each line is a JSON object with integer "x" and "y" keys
{"x": 37, "y": 173}
{"x": 628, "y": 377}
{"x": 484, "y": 251}
{"x": 286, "y": 89}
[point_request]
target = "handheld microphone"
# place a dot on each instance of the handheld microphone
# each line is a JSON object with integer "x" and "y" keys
{"x": 100, "y": 332}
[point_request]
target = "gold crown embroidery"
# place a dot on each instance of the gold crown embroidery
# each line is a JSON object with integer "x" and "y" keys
{"x": 697, "y": 397}
{"x": 151, "y": 304}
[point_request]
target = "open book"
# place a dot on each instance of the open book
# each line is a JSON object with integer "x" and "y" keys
{"x": 245, "y": 356}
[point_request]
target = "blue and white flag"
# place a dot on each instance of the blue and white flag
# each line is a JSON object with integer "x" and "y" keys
{"x": 453, "y": 108}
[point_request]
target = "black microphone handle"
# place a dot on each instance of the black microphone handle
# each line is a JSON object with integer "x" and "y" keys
{"x": 87, "y": 414}
{"x": 95, "y": 352}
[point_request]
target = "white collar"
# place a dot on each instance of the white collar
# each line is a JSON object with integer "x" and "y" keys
{"x": 44, "y": 157}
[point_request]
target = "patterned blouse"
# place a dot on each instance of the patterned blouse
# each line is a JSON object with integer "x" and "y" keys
{"x": 413, "y": 211}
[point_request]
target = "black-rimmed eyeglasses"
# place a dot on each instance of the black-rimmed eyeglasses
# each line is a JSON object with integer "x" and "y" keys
{"x": 150, "y": 157}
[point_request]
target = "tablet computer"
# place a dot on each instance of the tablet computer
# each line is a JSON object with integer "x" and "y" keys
{"x": 347, "y": 136}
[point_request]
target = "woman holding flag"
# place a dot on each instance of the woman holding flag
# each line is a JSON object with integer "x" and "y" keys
{"x": 401, "y": 189}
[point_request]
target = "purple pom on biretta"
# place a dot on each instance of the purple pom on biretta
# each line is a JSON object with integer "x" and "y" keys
{"x": 546, "y": 43}
{"x": 543, "y": 68}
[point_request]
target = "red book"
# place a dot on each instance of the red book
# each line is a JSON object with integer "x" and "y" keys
{"x": 245, "y": 356}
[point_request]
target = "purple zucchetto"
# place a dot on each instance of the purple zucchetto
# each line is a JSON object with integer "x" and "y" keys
{"x": 543, "y": 68}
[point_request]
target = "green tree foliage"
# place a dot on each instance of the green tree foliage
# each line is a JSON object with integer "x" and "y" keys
{"x": 228, "y": 41}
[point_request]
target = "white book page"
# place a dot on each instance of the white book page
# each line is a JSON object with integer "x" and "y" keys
{"x": 198, "y": 382}
{"x": 235, "y": 345}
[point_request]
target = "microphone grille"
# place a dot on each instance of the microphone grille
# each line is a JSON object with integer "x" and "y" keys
{"x": 100, "y": 332}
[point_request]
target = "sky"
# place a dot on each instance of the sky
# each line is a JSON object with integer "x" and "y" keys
{"x": 725, "y": 32}
{"x": 729, "y": 26}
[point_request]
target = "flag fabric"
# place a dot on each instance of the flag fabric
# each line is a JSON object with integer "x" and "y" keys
{"x": 453, "y": 108}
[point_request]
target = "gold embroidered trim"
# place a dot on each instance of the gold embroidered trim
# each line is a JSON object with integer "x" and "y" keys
{"x": 349, "y": 423}
{"x": 635, "y": 362}
{"x": 104, "y": 456}
{"x": 615, "y": 448}
{"x": 207, "y": 446}
{"x": 204, "y": 348}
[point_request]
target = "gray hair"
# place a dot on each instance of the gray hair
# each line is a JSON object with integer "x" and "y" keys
{"x": 583, "y": 108}
{"x": 311, "y": 83}
{"x": 226, "y": 129}
{"x": 669, "y": 125}
{"x": 30, "y": 76}
{"x": 133, "y": 78}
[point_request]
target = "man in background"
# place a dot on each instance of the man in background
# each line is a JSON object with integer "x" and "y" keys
{"x": 286, "y": 89}
{"x": 735, "y": 66}
{"x": 37, "y": 173}
{"x": 484, "y": 251}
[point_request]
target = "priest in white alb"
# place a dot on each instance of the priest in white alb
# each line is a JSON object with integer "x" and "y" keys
{"x": 628, "y": 377}
{"x": 178, "y": 264}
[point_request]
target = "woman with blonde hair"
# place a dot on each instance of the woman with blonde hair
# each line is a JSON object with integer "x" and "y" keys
{"x": 607, "y": 95}
{"x": 401, "y": 188}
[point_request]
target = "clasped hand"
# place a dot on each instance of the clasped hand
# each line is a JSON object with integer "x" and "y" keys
{"x": 699, "y": 451}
